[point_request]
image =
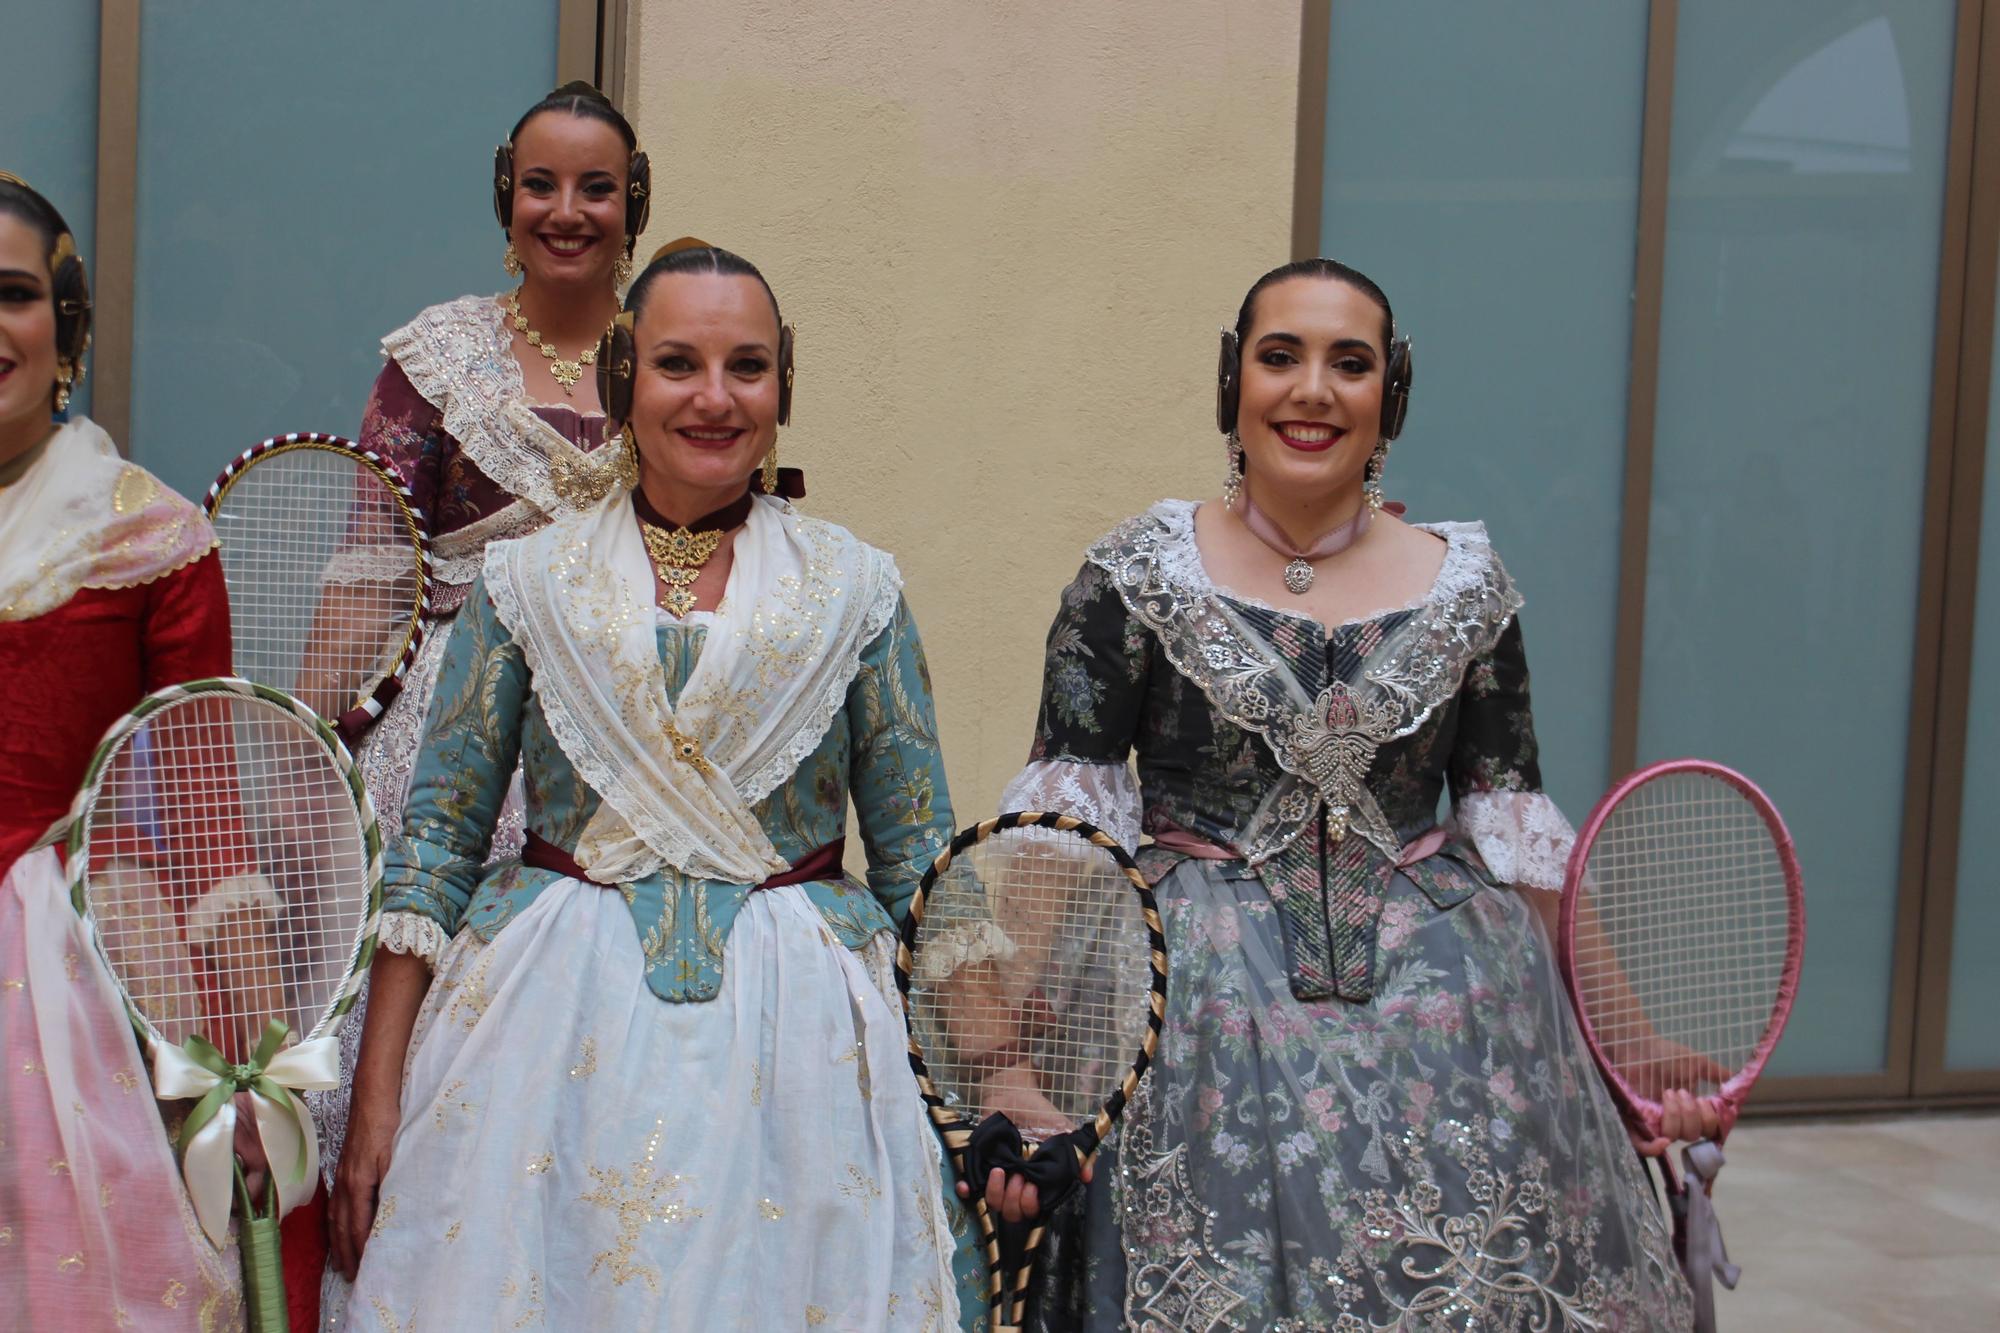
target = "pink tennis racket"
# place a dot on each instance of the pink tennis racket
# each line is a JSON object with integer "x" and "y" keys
{"x": 1683, "y": 928}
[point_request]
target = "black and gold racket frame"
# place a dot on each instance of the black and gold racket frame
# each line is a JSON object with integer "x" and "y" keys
{"x": 1007, "y": 1292}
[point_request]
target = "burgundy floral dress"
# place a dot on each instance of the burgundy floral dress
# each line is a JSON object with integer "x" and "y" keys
{"x": 1371, "y": 1107}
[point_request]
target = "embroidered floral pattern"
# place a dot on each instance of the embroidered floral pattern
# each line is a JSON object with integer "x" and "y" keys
{"x": 645, "y": 1197}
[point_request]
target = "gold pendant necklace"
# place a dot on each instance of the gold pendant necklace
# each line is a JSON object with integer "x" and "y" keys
{"x": 566, "y": 373}
{"x": 678, "y": 555}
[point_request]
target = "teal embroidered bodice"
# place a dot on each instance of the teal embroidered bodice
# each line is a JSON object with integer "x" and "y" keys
{"x": 881, "y": 748}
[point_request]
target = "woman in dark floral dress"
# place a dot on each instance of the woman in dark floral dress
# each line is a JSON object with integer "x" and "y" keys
{"x": 1372, "y": 1108}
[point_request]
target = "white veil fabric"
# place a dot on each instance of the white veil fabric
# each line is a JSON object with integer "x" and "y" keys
{"x": 82, "y": 517}
{"x": 95, "y": 1229}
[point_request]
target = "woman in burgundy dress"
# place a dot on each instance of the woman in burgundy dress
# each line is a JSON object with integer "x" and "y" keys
{"x": 488, "y": 408}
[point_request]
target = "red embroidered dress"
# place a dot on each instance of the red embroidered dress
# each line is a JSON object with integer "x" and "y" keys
{"x": 109, "y": 588}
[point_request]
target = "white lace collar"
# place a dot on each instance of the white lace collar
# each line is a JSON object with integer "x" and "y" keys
{"x": 1468, "y": 562}
{"x": 460, "y": 357}
{"x": 82, "y": 517}
{"x": 804, "y": 598}
{"x": 1325, "y": 743}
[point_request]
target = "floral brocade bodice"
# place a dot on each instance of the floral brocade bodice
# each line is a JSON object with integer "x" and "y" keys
{"x": 1317, "y": 755}
{"x": 881, "y": 747}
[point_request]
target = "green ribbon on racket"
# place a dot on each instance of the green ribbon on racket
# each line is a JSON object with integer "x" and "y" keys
{"x": 206, "y": 1144}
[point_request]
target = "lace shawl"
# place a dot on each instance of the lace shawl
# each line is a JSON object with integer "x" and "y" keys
{"x": 804, "y": 599}
{"x": 1326, "y": 745}
{"x": 82, "y": 517}
{"x": 460, "y": 356}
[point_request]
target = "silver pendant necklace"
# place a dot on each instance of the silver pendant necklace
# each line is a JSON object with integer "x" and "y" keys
{"x": 1299, "y": 573}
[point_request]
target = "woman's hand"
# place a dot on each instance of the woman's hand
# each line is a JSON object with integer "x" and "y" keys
{"x": 1015, "y": 1197}
{"x": 249, "y": 1146}
{"x": 1016, "y": 1092}
{"x": 372, "y": 1121}
{"x": 1683, "y": 1117}
{"x": 396, "y": 986}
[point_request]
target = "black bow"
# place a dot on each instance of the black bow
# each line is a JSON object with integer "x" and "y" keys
{"x": 1055, "y": 1169}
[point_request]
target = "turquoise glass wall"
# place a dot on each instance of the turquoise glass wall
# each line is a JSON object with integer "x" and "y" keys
{"x": 1803, "y": 230}
{"x": 48, "y": 108}
{"x": 1482, "y": 164}
{"x": 309, "y": 177}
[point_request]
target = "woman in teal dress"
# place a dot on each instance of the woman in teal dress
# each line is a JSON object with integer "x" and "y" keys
{"x": 654, "y": 1075}
{"x": 1371, "y": 1107}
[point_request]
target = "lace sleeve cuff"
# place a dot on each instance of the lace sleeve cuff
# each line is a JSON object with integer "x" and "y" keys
{"x": 407, "y": 932}
{"x": 1521, "y": 835}
{"x": 1105, "y": 794}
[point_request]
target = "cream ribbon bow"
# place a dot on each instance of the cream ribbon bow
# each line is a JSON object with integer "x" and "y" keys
{"x": 207, "y": 1138}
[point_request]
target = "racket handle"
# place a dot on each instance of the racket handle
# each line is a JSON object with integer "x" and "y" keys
{"x": 263, "y": 1275}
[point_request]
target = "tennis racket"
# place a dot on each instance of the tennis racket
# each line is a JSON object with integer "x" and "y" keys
{"x": 226, "y": 861}
{"x": 1682, "y": 932}
{"x": 1034, "y": 980}
{"x": 327, "y": 559}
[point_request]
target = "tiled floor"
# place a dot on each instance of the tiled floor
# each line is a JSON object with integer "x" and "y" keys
{"x": 1863, "y": 1225}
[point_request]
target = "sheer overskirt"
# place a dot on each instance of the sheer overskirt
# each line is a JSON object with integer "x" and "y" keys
{"x": 95, "y": 1228}
{"x": 387, "y": 755}
{"x": 1444, "y": 1151}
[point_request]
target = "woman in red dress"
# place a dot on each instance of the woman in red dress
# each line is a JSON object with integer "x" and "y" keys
{"x": 109, "y": 588}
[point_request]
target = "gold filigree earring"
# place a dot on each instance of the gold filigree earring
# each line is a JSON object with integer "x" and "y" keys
{"x": 621, "y": 272}
{"x": 627, "y": 467}
{"x": 1371, "y": 483}
{"x": 66, "y": 378}
{"x": 771, "y": 470}
{"x": 511, "y": 261}
{"x": 1232, "y": 485}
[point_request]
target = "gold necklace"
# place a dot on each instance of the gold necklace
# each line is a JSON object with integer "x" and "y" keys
{"x": 566, "y": 373}
{"x": 678, "y": 555}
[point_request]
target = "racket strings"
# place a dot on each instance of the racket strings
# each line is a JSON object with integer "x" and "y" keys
{"x": 225, "y": 854}
{"x": 1683, "y": 930}
{"x": 1031, "y": 973}
{"x": 323, "y": 573}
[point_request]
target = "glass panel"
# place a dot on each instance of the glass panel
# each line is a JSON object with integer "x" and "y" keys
{"x": 310, "y": 176}
{"x": 48, "y": 102}
{"x": 1795, "y": 372}
{"x": 1972, "y": 1038}
{"x": 1482, "y": 164}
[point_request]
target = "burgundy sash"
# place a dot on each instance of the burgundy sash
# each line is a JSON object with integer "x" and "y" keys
{"x": 822, "y": 862}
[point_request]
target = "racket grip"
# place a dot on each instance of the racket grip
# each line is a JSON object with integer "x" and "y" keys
{"x": 258, "y": 1241}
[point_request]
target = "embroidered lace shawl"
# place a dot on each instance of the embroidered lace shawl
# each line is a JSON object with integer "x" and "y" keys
{"x": 1269, "y": 734}
{"x": 1326, "y": 744}
{"x": 804, "y": 598}
{"x": 82, "y": 517}
{"x": 459, "y": 357}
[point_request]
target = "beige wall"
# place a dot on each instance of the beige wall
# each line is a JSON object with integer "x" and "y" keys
{"x": 1006, "y": 234}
